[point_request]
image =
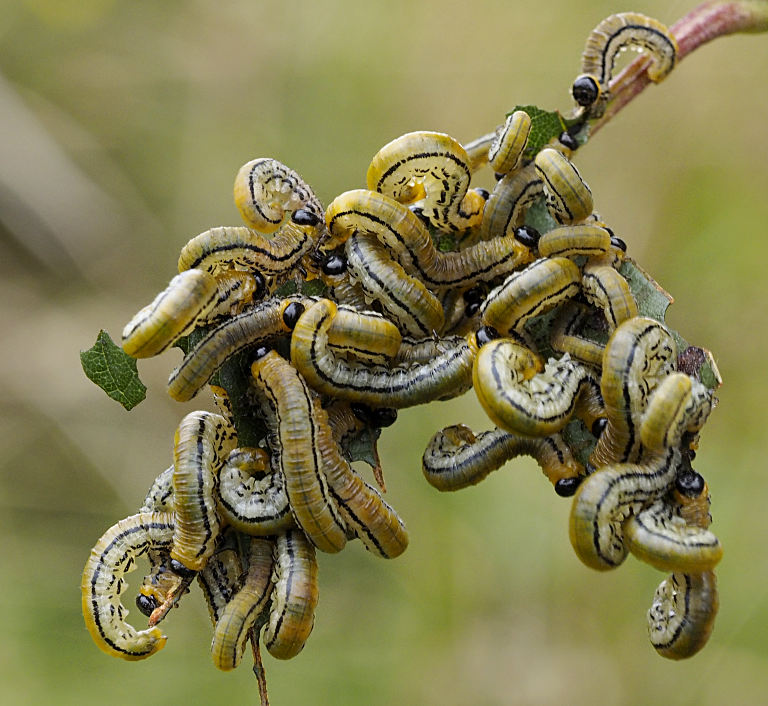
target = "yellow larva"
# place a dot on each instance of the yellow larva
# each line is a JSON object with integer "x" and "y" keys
{"x": 639, "y": 355}
{"x": 538, "y": 288}
{"x": 173, "y": 313}
{"x": 103, "y": 582}
{"x": 414, "y": 308}
{"x": 433, "y": 170}
{"x": 509, "y": 201}
{"x": 456, "y": 458}
{"x": 363, "y": 335}
{"x": 245, "y": 607}
{"x": 606, "y": 289}
{"x": 219, "y": 580}
{"x": 412, "y": 246}
{"x": 563, "y": 338}
{"x": 235, "y": 291}
{"x": 266, "y": 190}
{"x": 201, "y": 444}
{"x": 250, "y": 502}
{"x": 621, "y": 30}
{"x": 287, "y": 402}
{"x": 292, "y": 613}
{"x": 569, "y": 199}
{"x": 506, "y": 151}
{"x": 522, "y": 395}
{"x": 443, "y": 377}
{"x": 160, "y": 495}
{"x": 682, "y": 615}
{"x": 569, "y": 241}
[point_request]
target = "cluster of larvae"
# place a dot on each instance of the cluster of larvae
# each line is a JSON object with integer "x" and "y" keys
{"x": 312, "y": 326}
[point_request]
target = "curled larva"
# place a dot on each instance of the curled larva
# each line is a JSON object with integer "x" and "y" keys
{"x": 522, "y": 395}
{"x": 245, "y": 607}
{"x": 682, "y": 615}
{"x": 160, "y": 495}
{"x": 363, "y": 335}
{"x": 569, "y": 199}
{"x": 287, "y": 403}
{"x": 252, "y": 498}
{"x": 639, "y": 355}
{"x": 443, "y": 377}
{"x": 456, "y": 458}
{"x": 219, "y": 580}
{"x": 430, "y": 169}
{"x": 564, "y": 336}
{"x": 266, "y": 190}
{"x": 541, "y": 286}
{"x": 413, "y": 307}
{"x": 509, "y": 201}
{"x": 506, "y": 150}
{"x": 292, "y": 612}
{"x": 240, "y": 248}
{"x": 174, "y": 312}
{"x": 202, "y": 442}
{"x": 103, "y": 582}
{"x": 606, "y": 289}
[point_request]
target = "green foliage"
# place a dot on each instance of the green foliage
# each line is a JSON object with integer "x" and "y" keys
{"x": 114, "y": 371}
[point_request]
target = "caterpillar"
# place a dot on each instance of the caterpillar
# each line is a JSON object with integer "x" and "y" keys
{"x": 569, "y": 199}
{"x": 430, "y": 169}
{"x": 606, "y": 289}
{"x": 569, "y": 241}
{"x": 509, "y": 201}
{"x": 446, "y": 376}
{"x": 506, "y": 150}
{"x": 219, "y": 579}
{"x": 113, "y": 556}
{"x": 287, "y": 402}
{"x": 563, "y": 338}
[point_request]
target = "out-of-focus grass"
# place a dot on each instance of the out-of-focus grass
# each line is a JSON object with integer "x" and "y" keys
{"x": 121, "y": 128}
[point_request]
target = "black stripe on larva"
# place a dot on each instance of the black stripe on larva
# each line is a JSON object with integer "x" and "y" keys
{"x": 424, "y": 155}
{"x": 266, "y": 253}
{"x": 288, "y": 566}
{"x": 608, "y": 310}
{"x": 208, "y": 536}
{"x": 684, "y": 622}
{"x": 606, "y": 67}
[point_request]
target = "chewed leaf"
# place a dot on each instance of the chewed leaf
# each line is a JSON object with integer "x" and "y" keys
{"x": 545, "y": 125}
{"x": 114, "y": 371}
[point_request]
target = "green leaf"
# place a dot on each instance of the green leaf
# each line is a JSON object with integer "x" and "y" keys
{"x": 362, "y": 446}
{"x": 114, "y": 371}
{"x": 545, "y": 125}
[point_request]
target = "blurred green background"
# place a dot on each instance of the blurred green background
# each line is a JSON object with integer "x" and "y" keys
{"x": 122, "y": 125}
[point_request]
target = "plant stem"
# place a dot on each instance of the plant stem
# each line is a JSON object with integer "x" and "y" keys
{"x": 701, "y": 25}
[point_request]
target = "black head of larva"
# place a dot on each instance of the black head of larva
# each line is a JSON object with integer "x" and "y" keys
{"x": 598, "y": 426}
{"x": 291, "y": 315}
{"x": 690, "y": 484}
{"x": 146, "y": 604}
{"x": 260, "y": 285}
{"x": 334, "y": 264}
{"x": 568, "y": 140}
{"x": 303, "y": 217}
{"x": 528, "y": 236}
{"x": 585, "y": 90}
{"x": 484, "y": 193}
{"x": 486, "y": 334}
{"x": 179, "y": 569}
{"x": 383, "y": 417}
{"x": 618, "y": 243}
{"x": 566, "y": 487}
{"x": 361, "y": 411}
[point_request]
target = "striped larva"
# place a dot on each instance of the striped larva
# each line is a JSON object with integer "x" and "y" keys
{"x": 219, "y": 580}
{"x": 334, "y": 272}
{"x": 174, "y": 312}
{"x": 202, "y": 442}
{"x": 363, "y": 335}
{"x": 412, "y": 246}
{"x": 251, "y": 498}
{"x": 506, "y": 150}
{"x": 522, "y": 395}
{"x": 564, "y": 339}
{"x": 415, "y": 309}
{"x": 639, "y": 355}
{"x": 235, "y": 291}
{"x": 606, "y": 289}
{"x": 372, "y": 520}
{"x": 569, "y": 199}
{"x": 682, "y": 615}
{"x": 240, "y": 248}
{"x": 443, "y": 377}
{"x": 292, "y": 613}
{"x": 103, "y": 581}
{"x": 265, "y": 190}
{"x": 287, "y": 403}
{"x": 257, "y": 324}
{"x": 569, "y": 241}
{"x": 477, "y": 149}
{"x": 160, "y": 495}
{"x": 608, "y": 39}
{"x": 509, "y": 201}
{"x": 456, "y": 458}
{"x": 245, "y": 607}
{"x": 433, "y": 170}
{"x": 541, "y": 286}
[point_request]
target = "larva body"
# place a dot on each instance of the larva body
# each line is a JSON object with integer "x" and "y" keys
{"x": 569, "y": 199}
{"x": 506, "y": 150}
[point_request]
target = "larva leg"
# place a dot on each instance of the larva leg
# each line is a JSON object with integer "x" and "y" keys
{"x": 246, "y": 606}
{"x": 202, "y": 442}
{"x": 456, "y": 458}
{"x": 569, "y": 199}
{"x": 443, "y": 377}
{"x": 287, "y": 402}
{"x": 251, "y": 498}
{"x": 523, "y": 396}
{"x": 103, "y": 582}
{"x": 292, "y": 614}
{"x": 433, "y": 170}
{"x": 266, "y": 190}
